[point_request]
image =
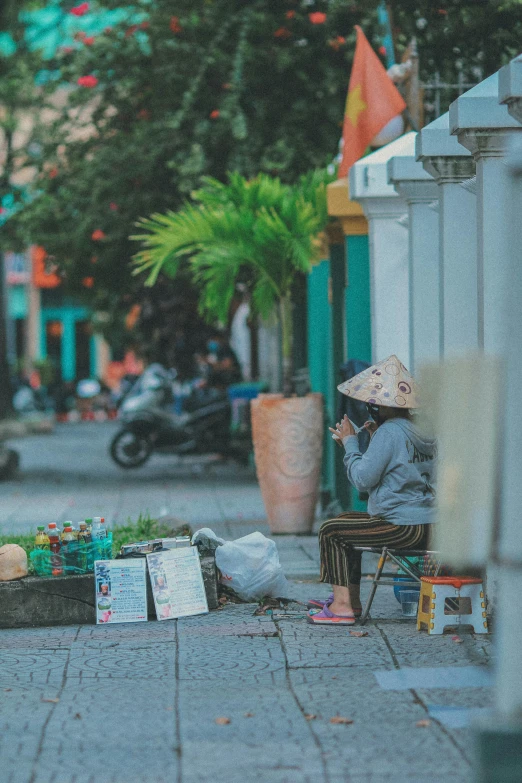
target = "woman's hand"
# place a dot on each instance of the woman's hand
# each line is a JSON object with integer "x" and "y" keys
{"x": 371, "y": 426}
{"x": 342, "y": 430}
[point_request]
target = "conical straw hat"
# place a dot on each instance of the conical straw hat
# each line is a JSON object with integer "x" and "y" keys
{"x": 385, "y": 383}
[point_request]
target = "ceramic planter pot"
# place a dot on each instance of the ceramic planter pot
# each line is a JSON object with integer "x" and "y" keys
{"x": 288, "y": 447}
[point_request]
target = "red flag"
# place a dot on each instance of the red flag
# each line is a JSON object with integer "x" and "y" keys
{"x": 373, "y": 100}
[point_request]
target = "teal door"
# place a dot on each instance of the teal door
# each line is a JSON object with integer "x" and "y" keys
{"x": 339, "y": 328}
{"x": 64, "y": 343}
{"x": 358, "y": 321}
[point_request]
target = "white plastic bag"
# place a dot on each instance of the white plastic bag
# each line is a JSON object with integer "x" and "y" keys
{"x": 251, "y": 567}
{"x": 207, "y": 539}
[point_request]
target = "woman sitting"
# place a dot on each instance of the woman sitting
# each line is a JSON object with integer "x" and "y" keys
{"x": 397, "y": 472}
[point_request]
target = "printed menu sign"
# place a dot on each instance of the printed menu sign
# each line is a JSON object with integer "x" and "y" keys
{"x": 120, "y": 591}
{"x": 177, "y": 583}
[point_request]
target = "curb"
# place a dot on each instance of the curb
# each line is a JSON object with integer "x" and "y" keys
{"x": 73, "y": 417}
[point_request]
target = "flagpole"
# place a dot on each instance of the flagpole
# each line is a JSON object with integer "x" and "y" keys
{"x": 384, "y": 18}
{"x": 413, "y": 97}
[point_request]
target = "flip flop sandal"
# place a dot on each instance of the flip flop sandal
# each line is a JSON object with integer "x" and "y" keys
{"x": 326, "y": 617}
{"x": 318, "y": 603}
{"x": 313, "y": 603}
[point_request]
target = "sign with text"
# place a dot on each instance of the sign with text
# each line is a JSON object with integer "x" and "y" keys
{"x": 17, "y": 268}
{"x": 177, "y": 583}
{"x": 120, "y": 591}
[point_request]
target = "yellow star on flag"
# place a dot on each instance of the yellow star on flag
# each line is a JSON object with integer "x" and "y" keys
{"x": 373, "y": 100}
{"x": 355, "y": 105}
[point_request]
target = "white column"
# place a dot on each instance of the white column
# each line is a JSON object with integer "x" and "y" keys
{"x": 510, "y": 87}
{"x": 419, "y": 191}
{"x": 102, "y": 355}
{"x": 509, "y": 635}
{"x": 483, "y": 127}
{"x": 487, "y": 148}
{"x": 269, "y": 354}
{"x": 509, "y": 612}
{"x": 450, "y": 164}
{"x": 389, "y": 278}
{"x": 34, "y": 323}
{"x": 458, "y": 254}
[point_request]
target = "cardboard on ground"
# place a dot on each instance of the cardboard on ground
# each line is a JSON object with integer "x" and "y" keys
{"x": 120, "y": 591}
{"x": 177, "y": 583}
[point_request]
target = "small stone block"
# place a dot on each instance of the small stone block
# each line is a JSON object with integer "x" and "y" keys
{"x": 39, "y": 601}
{"x": 69, "y": 600}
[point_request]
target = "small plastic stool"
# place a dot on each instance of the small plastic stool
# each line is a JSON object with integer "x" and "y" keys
{"x": 451, "y": 601}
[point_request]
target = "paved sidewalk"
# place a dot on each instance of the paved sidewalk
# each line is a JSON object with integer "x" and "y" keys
{"x": 136, "y": 703}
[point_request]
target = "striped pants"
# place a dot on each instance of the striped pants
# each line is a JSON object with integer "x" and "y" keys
{"x": 341, "y": 564}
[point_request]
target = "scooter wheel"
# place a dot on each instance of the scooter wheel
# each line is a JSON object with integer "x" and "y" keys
{"x": 130, "y": 449}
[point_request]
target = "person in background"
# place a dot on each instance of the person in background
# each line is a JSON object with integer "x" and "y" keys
{"x": 397, "y": 472}
{"x": 223, "y": 368}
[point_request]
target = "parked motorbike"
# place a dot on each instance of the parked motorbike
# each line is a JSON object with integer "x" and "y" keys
{"x": 151, "y": 421}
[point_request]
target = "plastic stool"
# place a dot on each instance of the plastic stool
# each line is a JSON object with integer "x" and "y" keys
{"x": 450, "y": 601}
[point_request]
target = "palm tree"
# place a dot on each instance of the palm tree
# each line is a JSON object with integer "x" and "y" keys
{"x": 260, "y": 232}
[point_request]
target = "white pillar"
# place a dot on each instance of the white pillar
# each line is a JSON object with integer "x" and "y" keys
{"x": 509, "y": 635}
{"x": 269, "y": 354}
{"x": 451, "y": 164}
{"x": 483, "y": 127}
{"x": 34, "y": 323}
{"x": 419, "y": 190}
{"x": 389, "y": 277}
{"x": 102, "y": 355}
{"x": 510, "y": 87}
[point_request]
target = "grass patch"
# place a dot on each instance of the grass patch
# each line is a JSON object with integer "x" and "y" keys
{"x": 146, "y": 528}
{"x": 143, "y": 529}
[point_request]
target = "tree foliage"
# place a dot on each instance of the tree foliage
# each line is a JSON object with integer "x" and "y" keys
{"x": 146, "y": 98}
{"x": 260, "y": 232}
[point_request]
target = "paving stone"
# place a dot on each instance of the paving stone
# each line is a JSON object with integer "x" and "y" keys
{"x": 383, "y": 734}
{"x": 309, "y": 646}
{"x": 136, "y": 703}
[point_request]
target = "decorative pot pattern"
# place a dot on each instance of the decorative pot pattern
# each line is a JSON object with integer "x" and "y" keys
{"x": 288, "y": 447}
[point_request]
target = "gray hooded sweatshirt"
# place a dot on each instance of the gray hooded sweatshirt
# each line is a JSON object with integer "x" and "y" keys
{"x": 397, "y": 471}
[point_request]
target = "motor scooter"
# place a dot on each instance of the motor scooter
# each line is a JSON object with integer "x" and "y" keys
{"x": 151, "y": 422}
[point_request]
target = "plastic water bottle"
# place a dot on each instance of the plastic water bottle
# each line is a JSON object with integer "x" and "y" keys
{"x": 98, "y": 530}
{"x": 69, "y": 547}
{"x": 99, "y": 538}
{"x": 55, "y": 546}
{"x": 84, "y": 548}
{"x": 84, "y": 534}
{"x": 108, "y": 540}
{"x": 67, "y": 524}
{"x": 85, "y": 558}
{"x": 41, "y": 540}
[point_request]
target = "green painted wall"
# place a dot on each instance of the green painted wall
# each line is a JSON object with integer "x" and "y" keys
{"x": 319, "y": 341}
{"x": 338, "y": 328}
{"x": 358, "y": 323}
{"x": 16, "y": 301}
{"x": 341, "y": 487}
